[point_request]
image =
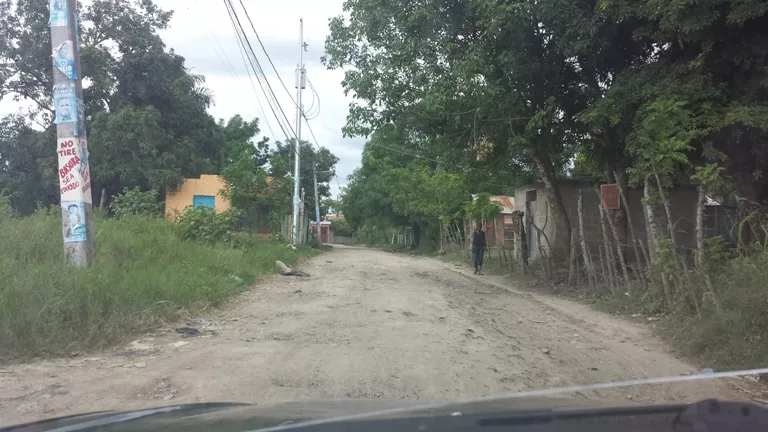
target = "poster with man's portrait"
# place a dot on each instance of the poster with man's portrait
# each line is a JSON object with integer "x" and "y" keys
{"x": 59, "y": 14}
{"x": 64, "y": 59}
{"x": 73, "y": 221}
{"x": 66, "y": 103}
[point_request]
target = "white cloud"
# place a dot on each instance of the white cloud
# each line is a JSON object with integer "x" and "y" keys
{"x": 201, "y": 32}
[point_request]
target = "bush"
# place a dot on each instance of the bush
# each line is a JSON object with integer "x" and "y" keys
{"x": 144, "y": 274}
{"x": 136, "y": 202}
{"x": 203, "y": 224}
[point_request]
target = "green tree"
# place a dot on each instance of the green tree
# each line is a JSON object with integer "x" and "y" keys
{"x": 28, "y": 166}
{"x": 321, "y": 160}
{"x": 486, "y": 76}
{"x": 149, "y": 125}
{"x": 395, "y": 189}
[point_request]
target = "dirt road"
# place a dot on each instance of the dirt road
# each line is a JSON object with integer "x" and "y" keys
{"x": 367, "y": 324}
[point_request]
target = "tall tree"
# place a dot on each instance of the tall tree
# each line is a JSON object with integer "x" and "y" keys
{"x": 494, "y": 69}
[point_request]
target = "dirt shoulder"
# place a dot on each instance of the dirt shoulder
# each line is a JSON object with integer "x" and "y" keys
{"x": 366, "y": 325}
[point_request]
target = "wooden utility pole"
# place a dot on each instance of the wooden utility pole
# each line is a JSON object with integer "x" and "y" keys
{"x": 71, "y": 142}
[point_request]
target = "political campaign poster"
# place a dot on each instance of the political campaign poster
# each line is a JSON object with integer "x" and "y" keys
{"x": 66, "y": 103}
{"x": 59, "y": 13}
{"x": 64, "y": 59}
{"x": 74, "y": 173}
{"x": 73, "y": 221}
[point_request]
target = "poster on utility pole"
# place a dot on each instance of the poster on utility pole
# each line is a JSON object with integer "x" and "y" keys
{"x": 73, "y": 221}
{"x": 64, "y": 59}
{"x": 74, "y": 175}
{"x": 59, "y": 13}
{"x": 67, "y": 104}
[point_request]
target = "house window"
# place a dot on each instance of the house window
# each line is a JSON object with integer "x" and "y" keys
{"x": 204, "y": 201}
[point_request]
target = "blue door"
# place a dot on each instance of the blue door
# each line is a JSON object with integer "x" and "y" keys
{"x": 204, "y": 201}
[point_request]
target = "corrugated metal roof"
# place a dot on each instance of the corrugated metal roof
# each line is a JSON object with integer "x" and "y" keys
{"x": 507, "y": 203}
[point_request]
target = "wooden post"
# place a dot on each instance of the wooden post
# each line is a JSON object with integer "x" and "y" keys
{"x": 619, "y": 251}
{"x": 700, "y": 250}
{"x": 653, "y": 240}
{"x": 572, "y": 260}
{"x": 610, "y": 277}
{"x": 625, "y": 201}
{"x": 672, "y": 237}
{"x": 605, "y": 275}
{"x": 584, "y": 251}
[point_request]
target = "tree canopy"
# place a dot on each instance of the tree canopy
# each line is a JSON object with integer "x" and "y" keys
{"x": 147, "y": 114}
{"x": 519, "y": 90}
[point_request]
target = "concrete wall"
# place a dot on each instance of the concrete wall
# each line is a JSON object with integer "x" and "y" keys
{"x": 210, "y": 185}
{"x": 683, "y": 207}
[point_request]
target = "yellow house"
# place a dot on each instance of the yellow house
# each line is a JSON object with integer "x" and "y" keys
{"x": 203, "y": 192}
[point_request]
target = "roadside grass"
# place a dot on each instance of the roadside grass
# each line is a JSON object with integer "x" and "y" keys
{"x": 143, "y": 275}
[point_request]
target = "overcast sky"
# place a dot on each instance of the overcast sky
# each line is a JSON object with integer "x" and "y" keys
{"x": 201, "y": 32}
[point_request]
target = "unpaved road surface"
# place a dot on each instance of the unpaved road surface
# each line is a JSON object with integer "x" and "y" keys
{"x": 366, "y": 324}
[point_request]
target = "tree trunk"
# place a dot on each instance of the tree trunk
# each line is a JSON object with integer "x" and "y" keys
{"x": 416, "y": 236}
{"x": 562, "y": 230}
{"x": 103, "y": 201}
{"x": 653, "y": 240}
{"x": 700, "y": 251}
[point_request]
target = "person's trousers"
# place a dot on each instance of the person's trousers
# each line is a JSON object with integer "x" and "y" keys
{"x": 478, "y": 256}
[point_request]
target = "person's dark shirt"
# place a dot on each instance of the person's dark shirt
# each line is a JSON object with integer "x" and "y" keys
{"x": 478, "y": 239}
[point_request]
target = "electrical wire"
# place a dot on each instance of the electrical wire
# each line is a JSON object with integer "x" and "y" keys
{"x": 261, "y": 78}
{"x": 224, "y": 53}
{"x": 248, "y": 17}
{"x": 250, "y": 79}
{"x": 221, "y": 59}
{"x": 309, "y": 114}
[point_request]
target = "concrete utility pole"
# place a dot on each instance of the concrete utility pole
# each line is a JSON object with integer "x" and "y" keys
{"x": 317, "y": 208}
{"x": 71, "y": 142}
{"x": 300, "y": 84}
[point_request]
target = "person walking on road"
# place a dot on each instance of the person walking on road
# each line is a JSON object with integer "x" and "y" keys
{"x": 478, "y": 247}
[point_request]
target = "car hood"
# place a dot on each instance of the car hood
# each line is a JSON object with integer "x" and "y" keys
{"x": 227, "y": 417}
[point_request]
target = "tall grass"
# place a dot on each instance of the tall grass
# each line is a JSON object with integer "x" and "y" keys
{"x": 738, "y": 338}
{"x": 143, "y": 274}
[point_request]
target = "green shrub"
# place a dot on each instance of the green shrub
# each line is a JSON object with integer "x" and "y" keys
{"x": 203, "y": 224}
{"x": 144, "y": 274}
{"x": 136, "y": 202}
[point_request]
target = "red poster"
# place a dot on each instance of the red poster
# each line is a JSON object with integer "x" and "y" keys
{"x": 610, "y": 193}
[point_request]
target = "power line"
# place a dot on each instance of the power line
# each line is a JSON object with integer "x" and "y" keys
{"x": 226, "y": 57}
{"x": 250, "y": 79}
{"x": 266, "y": 53}
{"x": 273, "y": 103}
{"x": 218, "y": 55}
{"x": 312, "y": 116}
